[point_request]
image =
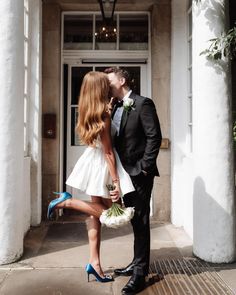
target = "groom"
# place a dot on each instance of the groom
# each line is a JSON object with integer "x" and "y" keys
{"x": 137, "y": 143}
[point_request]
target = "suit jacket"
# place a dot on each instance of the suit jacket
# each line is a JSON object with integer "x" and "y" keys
{"x": 140, "y": 137}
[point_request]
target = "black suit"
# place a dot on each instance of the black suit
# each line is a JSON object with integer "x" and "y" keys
{"x": 138, "y": 145}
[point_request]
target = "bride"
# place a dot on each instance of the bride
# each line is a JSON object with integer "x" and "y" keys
{"x": 97, "y": 167}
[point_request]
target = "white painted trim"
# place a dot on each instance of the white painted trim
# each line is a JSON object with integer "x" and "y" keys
{"x": 112, "y": 54}
{"x": 61, "y": 119}
{"x": 99, "y": 13}
{"x": 181, "y": 158}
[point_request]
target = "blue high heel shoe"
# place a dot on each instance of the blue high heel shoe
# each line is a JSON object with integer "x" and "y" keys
{"x": 91, "y": 271}
{"x": 63, "y": 196}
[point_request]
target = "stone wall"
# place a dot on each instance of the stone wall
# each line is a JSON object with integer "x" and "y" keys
{"x": 51, "y": 98}
{"x": 160, "y": 54}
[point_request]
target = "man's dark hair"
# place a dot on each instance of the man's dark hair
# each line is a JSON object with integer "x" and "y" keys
{"x": 121, "y": 72}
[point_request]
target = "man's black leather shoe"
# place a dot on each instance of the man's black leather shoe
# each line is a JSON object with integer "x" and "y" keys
{"x": 127, "y": 271}
{"x": 135, "y": 285}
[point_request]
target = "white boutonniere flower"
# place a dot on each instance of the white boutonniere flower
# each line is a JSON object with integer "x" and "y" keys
{"x": 128, "y": 104}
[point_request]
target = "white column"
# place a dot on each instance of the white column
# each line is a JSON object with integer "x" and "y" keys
{"x": 213, "y": 196}
{"x": 11, "y": 130}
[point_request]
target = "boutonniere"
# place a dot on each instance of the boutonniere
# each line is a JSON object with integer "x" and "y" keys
{"x": 128, "y": 104}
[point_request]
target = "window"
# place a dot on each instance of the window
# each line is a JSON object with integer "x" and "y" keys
{"x": 133, "y": 32}
{"x": 26, "y": 76}
{"x": 88, "y": 32}
{"x": 105, "y": 36}
{"x": 189, "y": 40}
{"x": 78, "y": 32}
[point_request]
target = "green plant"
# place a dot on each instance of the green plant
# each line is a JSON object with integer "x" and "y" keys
{"x": 224, "y": 46}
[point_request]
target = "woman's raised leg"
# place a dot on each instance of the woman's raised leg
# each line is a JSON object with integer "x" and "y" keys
{"x": 93, "y": 208}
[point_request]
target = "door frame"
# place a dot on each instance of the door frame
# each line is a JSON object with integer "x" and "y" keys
{"x": 63, "y": 144}
{"x": 73, "y": 152}
{"x": 99, "y": 57}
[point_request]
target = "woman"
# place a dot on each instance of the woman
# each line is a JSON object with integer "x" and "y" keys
{"x": 98, "y": 166}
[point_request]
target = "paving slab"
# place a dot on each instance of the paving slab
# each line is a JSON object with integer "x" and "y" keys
{"x": 3, "y": 276}
{"x": 56, "y": 254}
{"x": 52, "y": 282}
{"x": 229, "y": 276}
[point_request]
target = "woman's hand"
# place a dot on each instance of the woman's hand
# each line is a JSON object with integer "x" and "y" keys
{"x": 115, "y": 194}
{"x": 111, "y": 104}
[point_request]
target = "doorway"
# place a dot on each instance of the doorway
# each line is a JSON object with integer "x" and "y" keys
{"x": 73, "y": 76}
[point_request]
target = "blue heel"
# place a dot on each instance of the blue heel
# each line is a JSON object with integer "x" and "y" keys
{"x": 63, "y": 196}
{"x": 91, "y": 271}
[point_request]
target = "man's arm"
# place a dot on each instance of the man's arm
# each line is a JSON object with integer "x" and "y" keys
{"x": 151, "y": 127}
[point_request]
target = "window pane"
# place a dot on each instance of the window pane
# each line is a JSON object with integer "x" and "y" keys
{"x": 74, "y": 135}
{"x": 190, "y": 110}
{"x": 133, "y": 32}
{"x": 101, "y": 69}
{"x": 78, "y": 74}
{"x": 190, "y": 24}
{"x": 134, "y": 73}
{"x": 190, "y": 80}
{"x": 105, "y": 35}
{"x": 190, "y": 53}
{"x": 78, "y": 32}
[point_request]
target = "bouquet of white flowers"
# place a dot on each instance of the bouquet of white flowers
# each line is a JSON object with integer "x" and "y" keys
{"x": 116, "y": 215}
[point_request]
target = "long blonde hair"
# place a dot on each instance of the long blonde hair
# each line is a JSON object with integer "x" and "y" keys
{"x": 92, "y": 106}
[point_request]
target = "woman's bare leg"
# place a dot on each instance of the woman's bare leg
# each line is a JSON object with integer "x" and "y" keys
{"x": 94, "y": 236}
{"x": 93, "y": 208}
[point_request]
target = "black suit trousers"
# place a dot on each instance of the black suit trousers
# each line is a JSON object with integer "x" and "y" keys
{"x": 140, "y": 200}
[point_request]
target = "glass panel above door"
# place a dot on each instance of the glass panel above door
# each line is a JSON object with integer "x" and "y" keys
{"x": 133, "y": 32}
{"x": 78, "y": 32}
{"x": 105, "y": 35}
{"x": 90, "y": 32}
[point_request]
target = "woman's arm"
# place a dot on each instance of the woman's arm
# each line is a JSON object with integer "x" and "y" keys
{"x": 110, "y": 157}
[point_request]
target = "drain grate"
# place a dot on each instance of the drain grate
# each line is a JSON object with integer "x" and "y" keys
{"x": 186, "y": 276}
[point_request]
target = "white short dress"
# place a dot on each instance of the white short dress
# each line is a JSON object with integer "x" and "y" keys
{"x": 91, "y": 174}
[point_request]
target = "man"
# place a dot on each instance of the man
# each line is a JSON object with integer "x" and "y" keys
{"x": 137, "y": 143}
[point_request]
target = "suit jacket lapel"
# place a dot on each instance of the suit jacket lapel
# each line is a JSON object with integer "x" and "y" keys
{"x": 123, "y": 122}
{"x": 125, "y": 116}
{"x": 113, "y": 111}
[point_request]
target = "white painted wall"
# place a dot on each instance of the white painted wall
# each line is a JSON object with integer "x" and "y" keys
{"x": 181, "y": 157}
{"x": 11, "y": 131}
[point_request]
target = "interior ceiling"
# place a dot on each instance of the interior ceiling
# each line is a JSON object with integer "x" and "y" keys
{"x": 121, "y": 5}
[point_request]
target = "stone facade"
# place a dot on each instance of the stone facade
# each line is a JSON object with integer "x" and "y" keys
{"x": 51, "y": 74}
{"x": 160, "y": 57}
{"x": 196, "y": 187}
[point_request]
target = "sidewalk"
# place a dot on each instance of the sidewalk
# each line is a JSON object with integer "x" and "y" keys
{"x": 56, "y": 254}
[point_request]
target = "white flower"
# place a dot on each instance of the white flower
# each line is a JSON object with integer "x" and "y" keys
{"x": 116, "y": 216}
{"x": 128, "y": 104}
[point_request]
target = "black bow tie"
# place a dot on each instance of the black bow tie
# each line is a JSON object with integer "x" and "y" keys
{"x": 119, "y": 104}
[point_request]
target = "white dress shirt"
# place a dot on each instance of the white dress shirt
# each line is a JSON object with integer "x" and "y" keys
{"x": 118, "y": 114}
